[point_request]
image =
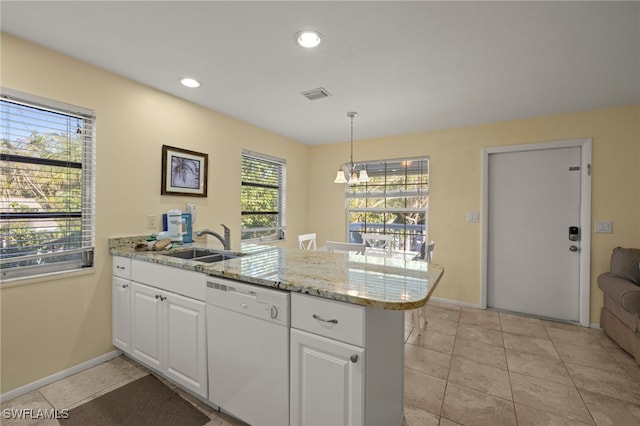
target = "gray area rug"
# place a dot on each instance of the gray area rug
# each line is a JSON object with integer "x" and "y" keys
{"x": 146, "y": 401}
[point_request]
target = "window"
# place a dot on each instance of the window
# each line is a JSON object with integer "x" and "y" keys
{"x": 394, "y": 202}
{"x": 47, "y": 186}
{"x": 263, "y": 197}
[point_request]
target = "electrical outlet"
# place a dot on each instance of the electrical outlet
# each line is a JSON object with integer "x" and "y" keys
{"x": 473, "y": 217}
{"x": 152, "y": 221}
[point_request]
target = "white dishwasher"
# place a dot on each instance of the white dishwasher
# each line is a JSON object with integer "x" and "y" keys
{"x": 248, "y": 351}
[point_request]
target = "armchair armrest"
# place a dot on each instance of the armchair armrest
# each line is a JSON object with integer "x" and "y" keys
{"x": 622, "y": 291}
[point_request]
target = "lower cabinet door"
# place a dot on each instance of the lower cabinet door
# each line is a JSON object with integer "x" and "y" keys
{"x": 121, "y": 313}
{"x": 147, "y": 325}
{"x": 327, "y": 381}
{"x": 186, "y": 351}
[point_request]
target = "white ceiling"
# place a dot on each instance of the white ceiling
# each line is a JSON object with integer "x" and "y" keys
{"x": 403, "y": 66}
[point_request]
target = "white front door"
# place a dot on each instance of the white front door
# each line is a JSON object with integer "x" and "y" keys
{"x": 533, "y": 198}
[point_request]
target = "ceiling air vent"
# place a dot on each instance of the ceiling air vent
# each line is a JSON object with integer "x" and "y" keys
{"x": 318, "y": 93}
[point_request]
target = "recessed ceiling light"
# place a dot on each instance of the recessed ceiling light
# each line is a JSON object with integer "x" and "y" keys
{"x": 189, "y": 82}
{"x": 308, "y": 39}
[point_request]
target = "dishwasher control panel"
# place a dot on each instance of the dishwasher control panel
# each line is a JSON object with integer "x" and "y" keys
{"x": 253, "y": 300}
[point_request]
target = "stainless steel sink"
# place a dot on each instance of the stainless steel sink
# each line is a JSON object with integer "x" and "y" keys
{"x": 207, "y": 256}
{"x": 215, "y": 258}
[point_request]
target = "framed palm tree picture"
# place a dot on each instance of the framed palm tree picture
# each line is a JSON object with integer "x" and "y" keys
{"x": 184, "y": 172}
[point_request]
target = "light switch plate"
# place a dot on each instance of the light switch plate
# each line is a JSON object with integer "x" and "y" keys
{"x": 604, "y": 227}
{"x": 473, "y": 217}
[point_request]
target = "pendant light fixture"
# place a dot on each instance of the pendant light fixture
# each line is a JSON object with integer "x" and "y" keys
{"x": 348, "y": 172}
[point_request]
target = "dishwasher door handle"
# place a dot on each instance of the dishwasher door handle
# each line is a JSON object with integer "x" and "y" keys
{"x": 319, "y": 318}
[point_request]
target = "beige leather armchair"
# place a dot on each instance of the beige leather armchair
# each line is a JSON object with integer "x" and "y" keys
{"x": 620, "y": 315}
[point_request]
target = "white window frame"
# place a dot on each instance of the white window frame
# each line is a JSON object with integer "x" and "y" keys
{"x": 274, "y": 233}
{"x": 362, "y": 191}
{"x": 62, "y": 258}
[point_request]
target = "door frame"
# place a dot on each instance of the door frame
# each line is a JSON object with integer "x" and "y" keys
{"x": 585, "y": 215}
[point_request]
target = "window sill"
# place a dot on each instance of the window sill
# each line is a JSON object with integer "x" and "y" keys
{"x": 53, "y": 276}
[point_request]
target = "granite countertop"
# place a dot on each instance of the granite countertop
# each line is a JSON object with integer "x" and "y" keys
{"x": 387, "y": 283}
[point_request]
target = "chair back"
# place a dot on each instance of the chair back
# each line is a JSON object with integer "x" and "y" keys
{"x": 307, "y": 241}
{"x": 334, "y": 246}
{"x": 379, "y": 242}
{"x": 428, "y": 252}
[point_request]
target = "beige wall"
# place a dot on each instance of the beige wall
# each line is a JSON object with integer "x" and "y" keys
{"x": 455, "y": 176}
{"x": 48, "y": 326}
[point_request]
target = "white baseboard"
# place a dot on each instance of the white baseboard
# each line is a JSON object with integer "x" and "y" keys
{"x": 59, "y": 375}
{"x": 455, "y": 302}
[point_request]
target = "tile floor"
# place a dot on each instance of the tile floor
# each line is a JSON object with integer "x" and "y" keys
{"x": 477, "y": 367}
{"x": 470, "y": 367}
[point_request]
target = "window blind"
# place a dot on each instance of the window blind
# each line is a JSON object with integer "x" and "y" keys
{"x": 47, "y": 186}
{"x": 394, "y": 202}
{"x": 263, "y": 197}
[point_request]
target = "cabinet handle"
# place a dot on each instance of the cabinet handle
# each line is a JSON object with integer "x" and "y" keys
{"x": 354, "y": 358}
{"x": 120, "y": 267}
{"x": 163, "y": 298}
{"x": 158, "y": 297}
{"x": 125, "y": 285}
{"x": 319, "y": 318}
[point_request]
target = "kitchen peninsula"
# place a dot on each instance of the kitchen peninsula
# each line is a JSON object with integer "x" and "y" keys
{"x": 344, "y": 327}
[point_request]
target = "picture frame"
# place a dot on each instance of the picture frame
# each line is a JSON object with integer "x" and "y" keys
{"x": 184, "y": 172}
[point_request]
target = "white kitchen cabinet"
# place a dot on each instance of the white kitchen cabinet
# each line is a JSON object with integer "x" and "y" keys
{"x": 147, "y": 324}
{"x": 121, "y": 302}
{"x": 347, "y": 363}
{"x": 327, "y": 381}
{"x": 168, "y": 335}
{"x": 121, "y": 311}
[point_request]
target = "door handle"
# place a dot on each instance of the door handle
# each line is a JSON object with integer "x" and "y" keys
{"x": 573, "y": 248}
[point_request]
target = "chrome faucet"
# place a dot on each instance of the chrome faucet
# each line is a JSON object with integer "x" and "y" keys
{"x": 226, "y": 241}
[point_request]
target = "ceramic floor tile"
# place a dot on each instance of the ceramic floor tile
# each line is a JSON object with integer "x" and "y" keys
{"x": 433, "y": 302}
{"x": 576, "y": 337}
{"x": 608, "y": 411}
{"x": 525, "y": 328}
{"x": 480, "y": 334}
{"x": 72, "y": 390}
{"x": 488, "y": 319}
{"x": 427, "y": 361}
{"x": 442, "y": 326}
{"x": 423, "y": 391}
{"x": 548, "y": 396}
{"x": 605, "y": 382}
{"x": 568, "y": 327}
{"x": 542, "y": 367}
{"x": 432, "y": 340}
{"x": 407, "y": 332}
{"x": 596, "y": 357}
{"x": 447, "y": 422}
{"x": 633, "y": 371}
{"x": 528, "y": 416}
{"x": 531, "y": 345}
{"x": 482, "y": 353}
{"x": 469, "y": 407}
{"x": 507, "y": 317}
{"x": 14, "y": 412}
{"x": 480, "y": 377}
{"x": 442, "y": 313}
{"x": 414, "y": 416}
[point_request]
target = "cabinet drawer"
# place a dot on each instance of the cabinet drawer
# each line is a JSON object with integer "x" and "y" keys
{"x": 122, "y": 267}
{"x": 336, "y": 320}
